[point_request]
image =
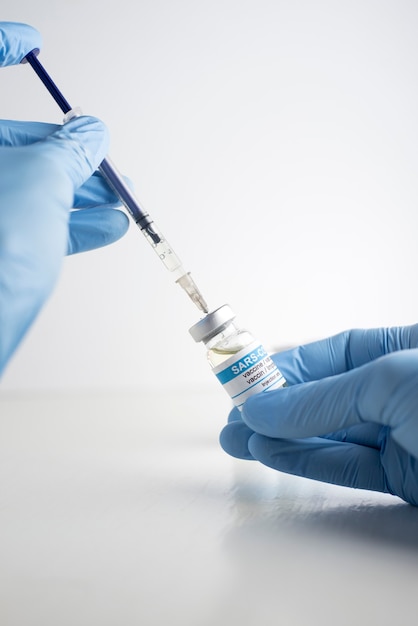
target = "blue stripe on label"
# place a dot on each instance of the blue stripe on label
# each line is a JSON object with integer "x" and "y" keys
{"x": 242, "y": 365}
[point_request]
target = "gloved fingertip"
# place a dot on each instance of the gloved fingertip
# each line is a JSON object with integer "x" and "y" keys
{"x": 257, "y": 447}
{"x": 16, "y": 40}
{"x": 90, "y": 229}
{"x": 118, "y": 225}
{"x": 234, "y": 439}
{"x": 235, "y": 415}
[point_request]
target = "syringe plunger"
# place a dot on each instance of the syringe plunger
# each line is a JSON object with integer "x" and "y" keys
{"x": 127, "y": 197}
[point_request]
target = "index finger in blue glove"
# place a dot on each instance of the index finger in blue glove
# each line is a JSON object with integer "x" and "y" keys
{"x": 16, "y": 40}
{"x": 235, "y": 436}
{"x": 343, "y": 352}
{"x": 384, "y": 392}
{"x": 234, "y": 439}
{"x": 320, "y": 459}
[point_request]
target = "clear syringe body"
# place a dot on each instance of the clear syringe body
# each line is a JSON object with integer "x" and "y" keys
{"x": 152, "y": 234}
{"x": 125, "y": 194}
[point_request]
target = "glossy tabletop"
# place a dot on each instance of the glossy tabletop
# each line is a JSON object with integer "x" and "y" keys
{"x": 120, "y": 509}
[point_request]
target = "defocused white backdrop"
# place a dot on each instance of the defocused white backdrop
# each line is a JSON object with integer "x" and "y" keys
{"x": 274, "y": 143}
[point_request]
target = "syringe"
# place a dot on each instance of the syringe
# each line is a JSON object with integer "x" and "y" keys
{"x": 127, "y": 197}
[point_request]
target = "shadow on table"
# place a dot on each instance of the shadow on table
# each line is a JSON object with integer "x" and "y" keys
{"x": 316, "y": 510}
{"x": 392, "y": 525}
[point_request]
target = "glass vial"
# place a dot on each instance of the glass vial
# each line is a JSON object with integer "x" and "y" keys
{"x": 238, "y": 360}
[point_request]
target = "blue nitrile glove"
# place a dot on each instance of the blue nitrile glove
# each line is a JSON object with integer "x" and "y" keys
{"x": 46, "y": 170}
{"x": 349, "y": 416}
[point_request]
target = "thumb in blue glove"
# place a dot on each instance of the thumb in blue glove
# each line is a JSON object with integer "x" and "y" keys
{"x": 16, "y": 40}
{"x": 349, "y": 416}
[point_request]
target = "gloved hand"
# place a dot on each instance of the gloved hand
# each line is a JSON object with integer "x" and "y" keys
{"x": 46, "y": 170}
{"x": 348, "y": 417}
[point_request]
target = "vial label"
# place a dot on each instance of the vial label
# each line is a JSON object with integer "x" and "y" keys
{"x": 248, "y": 372}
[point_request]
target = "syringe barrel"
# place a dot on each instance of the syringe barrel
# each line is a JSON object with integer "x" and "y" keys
{"x": 164, "y": 251}
{"x": 122, "y": 190}
{"x": 125, "y": 194}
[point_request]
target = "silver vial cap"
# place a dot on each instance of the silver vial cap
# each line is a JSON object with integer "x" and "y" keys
{"x": 212, "y": 324}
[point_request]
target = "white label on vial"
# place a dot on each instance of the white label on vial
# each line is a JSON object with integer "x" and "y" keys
{"x": 248, "y": 372}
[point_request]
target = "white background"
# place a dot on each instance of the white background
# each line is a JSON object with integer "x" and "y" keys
{"x": 273, "y": 142}
{"x": 275, "y": 145}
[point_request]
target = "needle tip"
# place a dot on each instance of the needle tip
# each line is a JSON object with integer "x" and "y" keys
{"x": 190, "y": 287}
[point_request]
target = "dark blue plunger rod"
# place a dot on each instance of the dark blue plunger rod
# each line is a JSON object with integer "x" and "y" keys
{"x": 106, "y": 168}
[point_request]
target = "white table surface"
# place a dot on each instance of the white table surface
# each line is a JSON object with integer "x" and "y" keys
{"x": 121, "y": 510}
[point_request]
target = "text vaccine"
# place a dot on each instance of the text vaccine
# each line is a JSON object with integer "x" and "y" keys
{"x": 238, "y": 360}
